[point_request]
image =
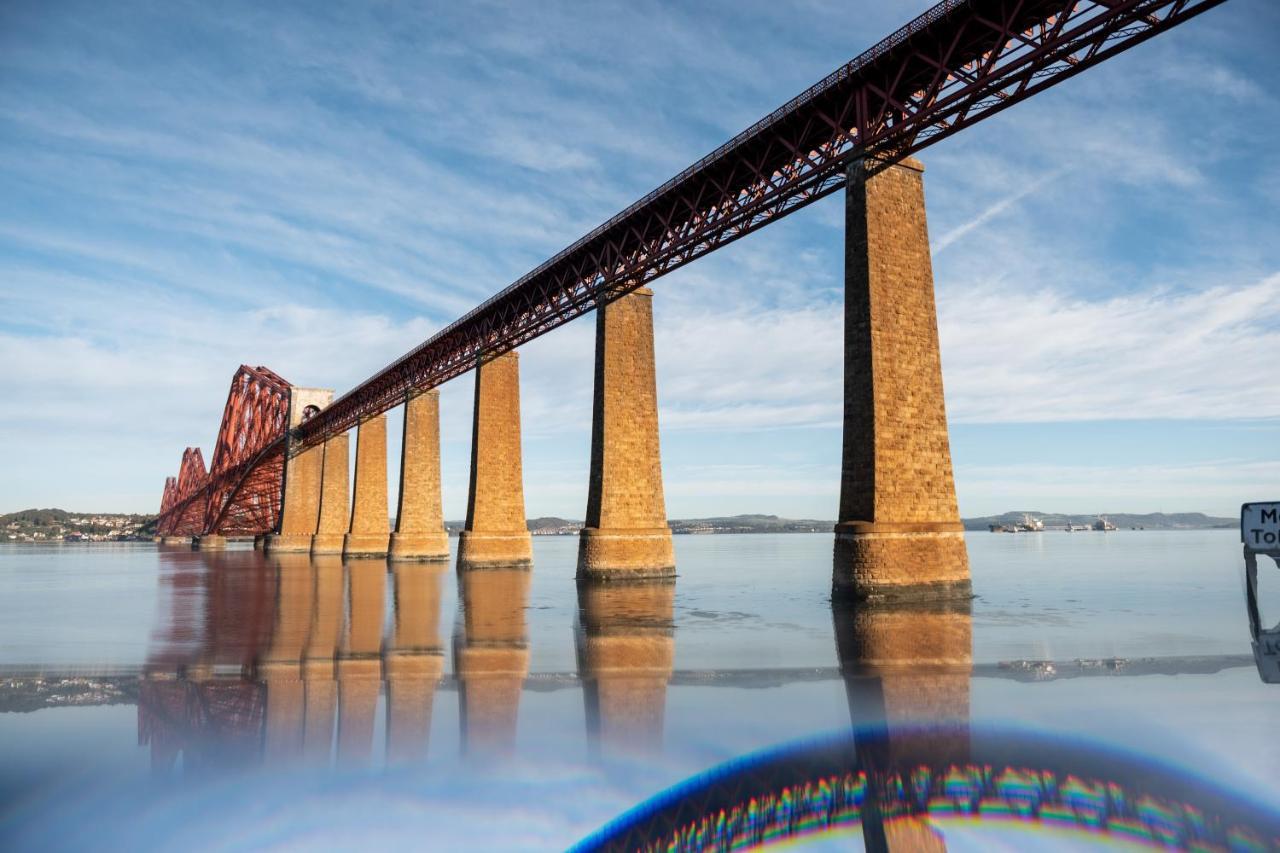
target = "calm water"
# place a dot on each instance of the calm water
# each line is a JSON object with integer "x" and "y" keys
{"x": 161, "y": 698}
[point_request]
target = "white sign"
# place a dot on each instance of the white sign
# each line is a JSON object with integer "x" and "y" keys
{"x": 1260, "y": 525}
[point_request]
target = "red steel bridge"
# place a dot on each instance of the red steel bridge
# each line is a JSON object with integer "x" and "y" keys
{"x": 958, "y": 63}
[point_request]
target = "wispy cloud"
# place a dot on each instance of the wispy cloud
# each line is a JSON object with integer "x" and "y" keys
{"x": 317, "y": 192}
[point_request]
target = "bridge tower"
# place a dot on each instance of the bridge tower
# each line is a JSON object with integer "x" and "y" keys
{"x": 497, "y": 533}
{"x": 626, "y": 533}
{"x": 898, "y": 535}
{"x": 302, "y": 478}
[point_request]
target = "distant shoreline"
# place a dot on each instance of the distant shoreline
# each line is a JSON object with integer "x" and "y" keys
{"x": 58, "y": 526}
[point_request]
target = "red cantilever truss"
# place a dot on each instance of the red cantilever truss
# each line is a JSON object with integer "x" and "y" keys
{"x": 959, "y": 62}
{"x": 241, "y": 491}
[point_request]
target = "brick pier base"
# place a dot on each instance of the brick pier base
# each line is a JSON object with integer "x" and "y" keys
{"x": 334, "y": 496}
{"x": 302, "y": 473}
{"x": 496, "y": 532}
{"x": 370, "y": 529}
{"x": 626, "y": 533}
{"x": 899, "y": 535}
{"x": 420, "y": 533}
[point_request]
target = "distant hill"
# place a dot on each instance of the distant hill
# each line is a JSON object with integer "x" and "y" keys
{"x": 749, "y": 524}
{"x": 55, "y": 525}
{"x": 1122, "y": 520}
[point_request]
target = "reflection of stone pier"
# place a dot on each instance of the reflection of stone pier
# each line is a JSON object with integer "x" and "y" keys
{"x": 491, "y": 656}
{"x": 318, "y": 666}
{"x": 280, "y": 666}
{"x": 359, "y": 665}
{"x": 626, "y": 648}
{"x": 909, "y": 666}
{"x": 414, "y": 660}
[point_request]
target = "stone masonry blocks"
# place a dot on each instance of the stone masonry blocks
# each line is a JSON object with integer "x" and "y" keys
{"x": 899, "y": 533}
{"x": 300, "y": 511}
{"x": 420, "y": 533}
{"x": 334, "y": 496}
{"x": 626, "y": 533}
{"x": 496, "y": 533}
{"x": 370, "y": 529}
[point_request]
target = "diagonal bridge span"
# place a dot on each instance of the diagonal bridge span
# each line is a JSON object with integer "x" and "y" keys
{"x": 959, "y": 62}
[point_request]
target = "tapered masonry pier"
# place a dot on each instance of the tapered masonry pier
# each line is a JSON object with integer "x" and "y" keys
{"x": 899, "y": 534}
{"x": 302, "y": 475}
{"x": 370, "y": 530}
{"x": 420, "y": 533}
{"x": 335, "y": 512}
{"x": 496, "y": 532}
{"x": 626, "y": 534}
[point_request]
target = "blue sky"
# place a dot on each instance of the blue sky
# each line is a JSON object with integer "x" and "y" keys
{"x": 187, "y": 187}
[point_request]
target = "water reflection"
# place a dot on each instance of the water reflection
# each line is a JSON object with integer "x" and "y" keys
{"x": 625, "y": 641}
{"x": 1266, "y": 641}
{"x": 283, "y": 659}
{"x": 491, "y": 655}
{"x": 414, "y": 658}
{"x": 907, "y": 671}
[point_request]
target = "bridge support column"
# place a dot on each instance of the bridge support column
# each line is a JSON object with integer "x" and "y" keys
{"x": 302, "y": 470}
{"x": 370, "y": 529}
{"x": 211, "y": 542}
{"x": 497, "y": 533}
{"x": 626, "y": 533}
{"x": 334, "y": 510}
{"x": 899, "y": 534}
{"x": 176, "y": 541}
{"x": 301, "y": 502}
{"x": 420, "y": 533}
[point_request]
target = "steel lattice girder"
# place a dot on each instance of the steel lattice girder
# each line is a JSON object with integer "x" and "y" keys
{"x": 961, "y": 61}
{"x": 241, "y": 492}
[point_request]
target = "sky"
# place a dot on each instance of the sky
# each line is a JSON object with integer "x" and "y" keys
{"x": 186, "y": 187}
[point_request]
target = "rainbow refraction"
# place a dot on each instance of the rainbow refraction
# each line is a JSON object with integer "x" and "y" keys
{"x": 853, "y": 783}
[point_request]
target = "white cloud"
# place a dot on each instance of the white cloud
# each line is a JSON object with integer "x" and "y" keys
{"x": 1021, "y": 354}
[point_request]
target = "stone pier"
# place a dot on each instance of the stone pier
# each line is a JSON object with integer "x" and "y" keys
{"x": 302, "y": 472}
{"x": 414, "y": 660}
{"x": 420, "y": 533}
{"x": 626, "y": 533}
{"x": 899, "y": 534}
{"x": 211, "y": 542}
{"x": 496, "y": 533}
{"x": 491, "y": 656}
{"x": 370, "y": 530}
{"x": 335, "y": 512}
{"x": 626, "y": 649}
{"x": 176, "y": 541}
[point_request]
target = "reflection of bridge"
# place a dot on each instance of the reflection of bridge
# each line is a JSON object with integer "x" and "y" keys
{"x": 276, "y": 470}
{"x": 285, "y": 658}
